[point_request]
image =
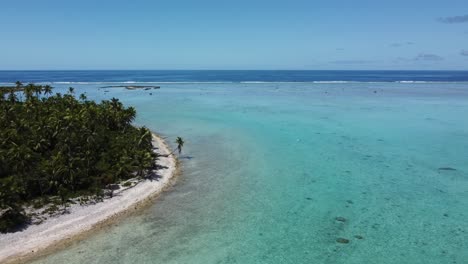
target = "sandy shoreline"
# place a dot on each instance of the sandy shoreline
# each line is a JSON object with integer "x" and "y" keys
{"x": 58, "y": 231}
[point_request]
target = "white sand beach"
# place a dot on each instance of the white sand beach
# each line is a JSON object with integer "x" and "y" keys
{"x": 60, "y": 230}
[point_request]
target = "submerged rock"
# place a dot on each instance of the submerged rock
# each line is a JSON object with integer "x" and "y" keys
{"x": 340, "y": 219}
{"x": 447, "y": 169}
{"x": 342, "y": 240}
{"x": 358, "y": 237}
{"x": 133, "y": 87}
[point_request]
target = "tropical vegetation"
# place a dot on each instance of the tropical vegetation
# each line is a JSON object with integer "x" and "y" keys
{"x": 180, "y": 143}
{"x": 58, "y": 145}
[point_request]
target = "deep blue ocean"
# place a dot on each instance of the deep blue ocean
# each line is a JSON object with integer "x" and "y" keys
{"x": 232, "y": 76}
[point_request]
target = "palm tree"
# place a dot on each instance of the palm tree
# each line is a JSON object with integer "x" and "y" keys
{"x": 28, "y": 91}
{"x": 47, "y": 90}
{"x": 12, "y": 96}
{"x": 2, "y": 94}
{"x": 145, "y": 136}
{"x": 37, "y": 90}
{"x": 71, "y": 90}
{"x": 128, "y": 116}
{"x": 115, "y": 104}
{"x": 180, "y": 143}
{"x": 18, "y": 84}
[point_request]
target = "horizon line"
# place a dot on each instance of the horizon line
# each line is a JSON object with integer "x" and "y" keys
{"x": 466, "y": 70}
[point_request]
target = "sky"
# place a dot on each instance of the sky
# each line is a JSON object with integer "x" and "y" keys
{"x": 234, "y": 34}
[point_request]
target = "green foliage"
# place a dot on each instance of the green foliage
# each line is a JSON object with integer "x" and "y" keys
{"x": 180, "y": 143}
{"x": 57, "y": 145}
{"x": 12, "y": 220}
{"x": 127, "y": 184}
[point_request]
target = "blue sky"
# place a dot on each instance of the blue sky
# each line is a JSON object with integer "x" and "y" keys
{"x": 240, "y": 34}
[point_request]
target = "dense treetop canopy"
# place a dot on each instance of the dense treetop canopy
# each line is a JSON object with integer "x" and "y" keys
{"x": 58, "y": 145}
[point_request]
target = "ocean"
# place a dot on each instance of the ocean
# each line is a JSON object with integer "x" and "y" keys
{"x": 240, "y": 76}
{"x": 285, "y": 166}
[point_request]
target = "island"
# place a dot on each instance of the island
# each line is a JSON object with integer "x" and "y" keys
{"x": 69, "y": 165}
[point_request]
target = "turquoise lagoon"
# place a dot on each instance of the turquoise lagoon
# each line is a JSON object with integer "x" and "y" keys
{"x": 269, "y": 167}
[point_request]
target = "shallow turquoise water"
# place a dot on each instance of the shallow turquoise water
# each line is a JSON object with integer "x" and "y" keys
{"x": 269, "y": 167}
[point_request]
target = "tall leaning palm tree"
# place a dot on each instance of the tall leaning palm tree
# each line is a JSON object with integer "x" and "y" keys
{"x": 180, "y": 143}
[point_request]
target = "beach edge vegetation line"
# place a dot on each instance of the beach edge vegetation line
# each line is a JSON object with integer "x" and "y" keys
{"x": 56, "y": 147}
